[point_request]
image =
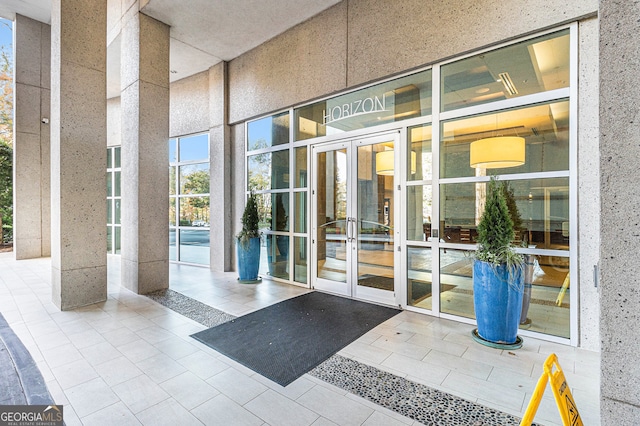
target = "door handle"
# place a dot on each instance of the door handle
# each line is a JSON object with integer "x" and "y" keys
{"x": 355, "y": 229}
{"x": 351, "y": 229}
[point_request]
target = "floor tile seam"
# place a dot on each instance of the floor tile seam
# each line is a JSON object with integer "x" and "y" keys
{"x": 245, "y": 405}
{"x": 476, "y": 398}
{"x": 380, "y": 409}
{"x": 278, "y": 394}
{"x": 119, "y": 401}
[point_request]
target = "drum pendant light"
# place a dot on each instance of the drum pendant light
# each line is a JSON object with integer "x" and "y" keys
{"x": 497, "y": 152}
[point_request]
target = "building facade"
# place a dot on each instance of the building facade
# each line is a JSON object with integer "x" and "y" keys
{"x": 355, "y": 129}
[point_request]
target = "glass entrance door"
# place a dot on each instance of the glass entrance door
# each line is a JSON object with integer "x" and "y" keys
{"x": 354, "y": 230}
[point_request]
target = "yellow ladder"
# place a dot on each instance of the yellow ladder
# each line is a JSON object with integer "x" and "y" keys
{"x": 564, "y": 400}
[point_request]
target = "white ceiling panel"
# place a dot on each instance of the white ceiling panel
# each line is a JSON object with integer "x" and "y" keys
{"x": 203, "y": 32}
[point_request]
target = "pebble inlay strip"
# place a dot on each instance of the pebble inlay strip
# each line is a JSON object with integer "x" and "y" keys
{"x": 190, "y": 308}
{"x": 416, "y": 401}
{"x": 410, "y": 399}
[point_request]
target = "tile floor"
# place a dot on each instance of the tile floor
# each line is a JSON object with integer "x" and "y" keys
{"x": 130, "y": 360}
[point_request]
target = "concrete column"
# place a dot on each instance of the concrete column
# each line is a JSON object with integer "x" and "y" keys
{"x": 221, "y": 239}
{"x": 619, "y": 213}
{"x": 145, "y": 160}
{"x": 78, "y": 153}
{"x": 32, "y": 199}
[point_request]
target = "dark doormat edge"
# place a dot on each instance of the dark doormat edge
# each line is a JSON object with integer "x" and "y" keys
{"x": 288, "y": 339}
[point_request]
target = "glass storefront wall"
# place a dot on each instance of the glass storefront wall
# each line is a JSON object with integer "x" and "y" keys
{"x": 269, "y": 177}
{"x": 520, "y": 91}
{"x": 189, "y": 202}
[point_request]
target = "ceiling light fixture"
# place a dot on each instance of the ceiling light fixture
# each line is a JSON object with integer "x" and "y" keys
{"x": 497, "y": 153}
{"x": 384, "y": 162}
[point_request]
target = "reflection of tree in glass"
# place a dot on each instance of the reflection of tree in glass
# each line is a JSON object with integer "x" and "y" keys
{"x": 6, "y": 142}
{"x": 172, "y": 180}
{"x": 197, "y": 182}
{"x": 194, "y": 209}
{"x": 263, "y": 202}
{"x": 6, "y": 95}
{"x": 172, "y": 211}
{"x": 280, "y": 215}
{"x": 259, "y": 173}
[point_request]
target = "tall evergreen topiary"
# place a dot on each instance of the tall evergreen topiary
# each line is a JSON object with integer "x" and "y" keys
{"x": 495, "y": 231}
{"x": 250, "y": 221}
{"x": 510, "y": 199}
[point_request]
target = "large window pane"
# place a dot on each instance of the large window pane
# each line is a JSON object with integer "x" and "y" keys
{"x": 268, "y": 131}
{"x": 194, "y": 211}
{"x": 109, "y": 211}
{"x": 117, "y": 239}
{"x": 396, "y": 100}
{"x": 173, "y": 151}
{"x": 300, "y": 259}
{"x": 277, "y": 255}
{"x": 529, "y": 67}
{"x": 173, "y": 253}
{"x": 280, "y": 169}
{"x": 194, "y": 179}
{"x": 301, "y": 167}
{"x": 194, "y": 148}
{"x": 172, "y": 211}
{"x": 331, "y": 216}
{"x": 264, "y": 204}
{"x": 543, "y": 206}
{"x": 419, "y": 162}
{"x": 194, "y": 246}
{"x": 547, "y": 297}
{"x": 279, "y": 217}
{"x": 109, "y": 183}
{"x": 117, "y": 211}
{"x": 300, "y": 221}
{"x": 109, "y": 239}
{"x": 116, "y": 184}
{"x": 268, "y": 171}
{"x": 419, "y": 280}
{"x": 109, "y": 158}
{"x": 116, "y": 157}
{"x": 544, "y": 127}
{"x": 172, "y": 180}
{"x": 456, "y": 282}
{"x": 419, "y": 210}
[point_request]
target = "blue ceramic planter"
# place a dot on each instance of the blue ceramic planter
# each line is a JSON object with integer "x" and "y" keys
{"x": 248, "y": 260}
{"x": 497, "y": 303}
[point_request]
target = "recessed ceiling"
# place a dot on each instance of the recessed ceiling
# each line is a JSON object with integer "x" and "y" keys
{"x": 203, "y": 32}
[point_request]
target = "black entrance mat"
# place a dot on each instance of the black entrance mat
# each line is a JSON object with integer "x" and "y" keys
{"x": 284, "y": 341}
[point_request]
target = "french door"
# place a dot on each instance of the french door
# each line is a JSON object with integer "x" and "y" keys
{"x": 354, "y": 218}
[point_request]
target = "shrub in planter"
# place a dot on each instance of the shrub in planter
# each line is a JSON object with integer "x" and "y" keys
{"x": 248, "y": 243}
{"x": 497, "y": 273}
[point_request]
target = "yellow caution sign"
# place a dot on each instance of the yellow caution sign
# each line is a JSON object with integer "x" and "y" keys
{"x": 564, "y": 400}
